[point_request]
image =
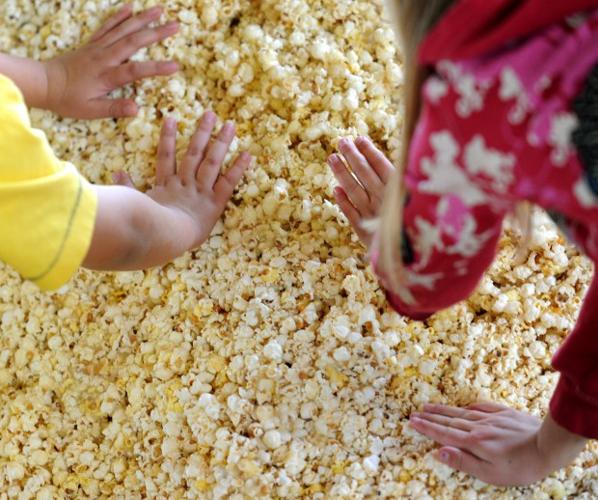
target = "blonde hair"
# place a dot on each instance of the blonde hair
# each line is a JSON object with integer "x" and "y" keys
{"x": 413, "y": 20}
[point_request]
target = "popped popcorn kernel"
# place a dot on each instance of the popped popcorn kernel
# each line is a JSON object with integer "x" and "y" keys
{"x": 266, "y": 364}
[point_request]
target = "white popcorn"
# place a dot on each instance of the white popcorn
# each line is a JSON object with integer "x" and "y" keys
{"x": 371, "y": 464}
{"x": 273, "y": 351}
{"x": 210, "y": 405}
{"x": 272, "y": 439}
{"x": 342, "y": 355}
{"x": 267, "y": 363}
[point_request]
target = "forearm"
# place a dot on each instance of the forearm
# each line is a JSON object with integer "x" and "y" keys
{"x": 30, "y": 76}
{"x": 132, "y": 232}
{"x": 558, "y": 445}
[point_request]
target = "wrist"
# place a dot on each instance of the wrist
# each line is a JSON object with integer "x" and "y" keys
{"x": 54, "y": 85}
{"x": 186, "y": 230}
{"x": 557, "y": 446}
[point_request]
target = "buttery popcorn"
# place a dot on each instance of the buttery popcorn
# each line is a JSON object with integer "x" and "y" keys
{"x": 267, "y": 363}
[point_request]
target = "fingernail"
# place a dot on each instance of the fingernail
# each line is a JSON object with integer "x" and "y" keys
{"x": 155, "y": 10}
{"x": 444, "y": 456}
{"x": 343, "y": 143}
{"x": 171, "y": 66}
{"x": 170, "y": 123}
{"x": 361, "y": 140}
{"x": 228, "y": 126}
{"x": 130, "y": 109}
{"x": 171, "y": 25}
{"x": 245, "y": 156}
{"x": 209, "y": 118}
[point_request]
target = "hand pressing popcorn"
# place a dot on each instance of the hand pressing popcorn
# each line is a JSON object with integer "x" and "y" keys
{"x": 135, "y": 231}
{"x": 497, "y": 444}
{"x": 362, "y": 182}
{"x": 77, "y": 84}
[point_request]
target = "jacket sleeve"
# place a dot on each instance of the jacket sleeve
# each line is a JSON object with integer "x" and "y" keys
{"x": 456, "y": 178}
{"x": 574, "y": 404}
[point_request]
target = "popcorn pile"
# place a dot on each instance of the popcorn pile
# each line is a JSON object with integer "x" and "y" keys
{"x": 267, "y": 363}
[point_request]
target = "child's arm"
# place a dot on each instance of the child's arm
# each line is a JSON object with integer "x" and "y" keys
{"x": 136, "y": 231}
{"x": 454, "y": 244}
{"x": 76, "y": 84}
{"x": 497, "y": 444}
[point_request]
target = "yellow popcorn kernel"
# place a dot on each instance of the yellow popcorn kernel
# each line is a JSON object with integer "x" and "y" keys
{"x": 336, "y": 377}
{"x": 216, "y": 363}
{"x": 201, "y": 485}
{"x": 271, "y": 276}
{"x": 249, "y": 467}
{"x": 339, "y": 467}
{"x": 315, "y": 488}
{"x": 404, "y": 476}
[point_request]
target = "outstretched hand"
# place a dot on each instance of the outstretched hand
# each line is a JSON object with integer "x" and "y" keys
{"x": 497, "y": 444}
{"x": 362, "y": 177}
{"x": 78, "y": 82}
{"x": 197, "y": 191}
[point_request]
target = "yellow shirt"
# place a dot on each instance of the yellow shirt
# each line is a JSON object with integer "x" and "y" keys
{"x": 47, "y": 209}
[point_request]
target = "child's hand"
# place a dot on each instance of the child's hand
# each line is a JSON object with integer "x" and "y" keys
{"x": 362, "y": 186}
{"x": 197, "y": 192}
{"x": 78, "y": 82}
{"x": 497, "y": 444}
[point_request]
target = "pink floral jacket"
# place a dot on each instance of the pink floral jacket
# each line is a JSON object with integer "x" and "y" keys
{"x": 507, "y": 116}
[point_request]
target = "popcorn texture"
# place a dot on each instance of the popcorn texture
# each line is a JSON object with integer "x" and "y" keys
{"x": 267, "y": 363}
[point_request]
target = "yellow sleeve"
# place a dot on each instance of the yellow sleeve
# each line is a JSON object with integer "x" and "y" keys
{"x": 47, "y": 209}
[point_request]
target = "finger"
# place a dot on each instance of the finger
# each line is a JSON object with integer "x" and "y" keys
{"x": 122, "y": 15}
{"x": 127, "y": 46}
{"x": 451, "y": 411}
{"x": 133, "y": 71}
{"x": 446, "y": 436}
{"x": 111, "y": 108}
{"x": 226, "y": 184}
{"x": 121, "y": 178}
{"x": 347, "y": 207}
{"x": 365, "y": 174}
{"x": 128, "y": 26}
{"x": 209, "y": 168}
{"x": 377, "y": 160}
{"x": 350, "y": 186}
{"x": 197, "y": 147}
{"x": 166, "y": 162}
{"x": 488, "y": 407}
{"x": 453, "y": 422}
{"x": 462, "y": 460}
{"x": 352, "y": 215}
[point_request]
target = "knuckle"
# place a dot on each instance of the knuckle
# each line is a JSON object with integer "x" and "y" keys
{"x": 479, "y": 434}
{"x": 212, "y": 162}
{"x": 469, "y": 415}
{"x": 137, "y": 39}
{"x": 194, "y": 151}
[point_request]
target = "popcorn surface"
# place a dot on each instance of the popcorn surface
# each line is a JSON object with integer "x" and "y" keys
{"x": 267, "y": 363}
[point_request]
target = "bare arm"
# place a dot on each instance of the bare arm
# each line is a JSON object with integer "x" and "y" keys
{"x": 76, "y": 84}
{"x": 136, "y": 231}
{"x": 29, "y": 76}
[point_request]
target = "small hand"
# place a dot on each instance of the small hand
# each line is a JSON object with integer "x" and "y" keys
{"x": 79, "y": 81}
{"x": 197, "y": 192}
{"x": 362, "y": 185}
{"x": 494, "y": 443}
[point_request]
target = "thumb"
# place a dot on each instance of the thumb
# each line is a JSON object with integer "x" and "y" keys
{"x": 461, "y": 460}
{"x": 111, "y": 108}
{"x": 122, "y": 179}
